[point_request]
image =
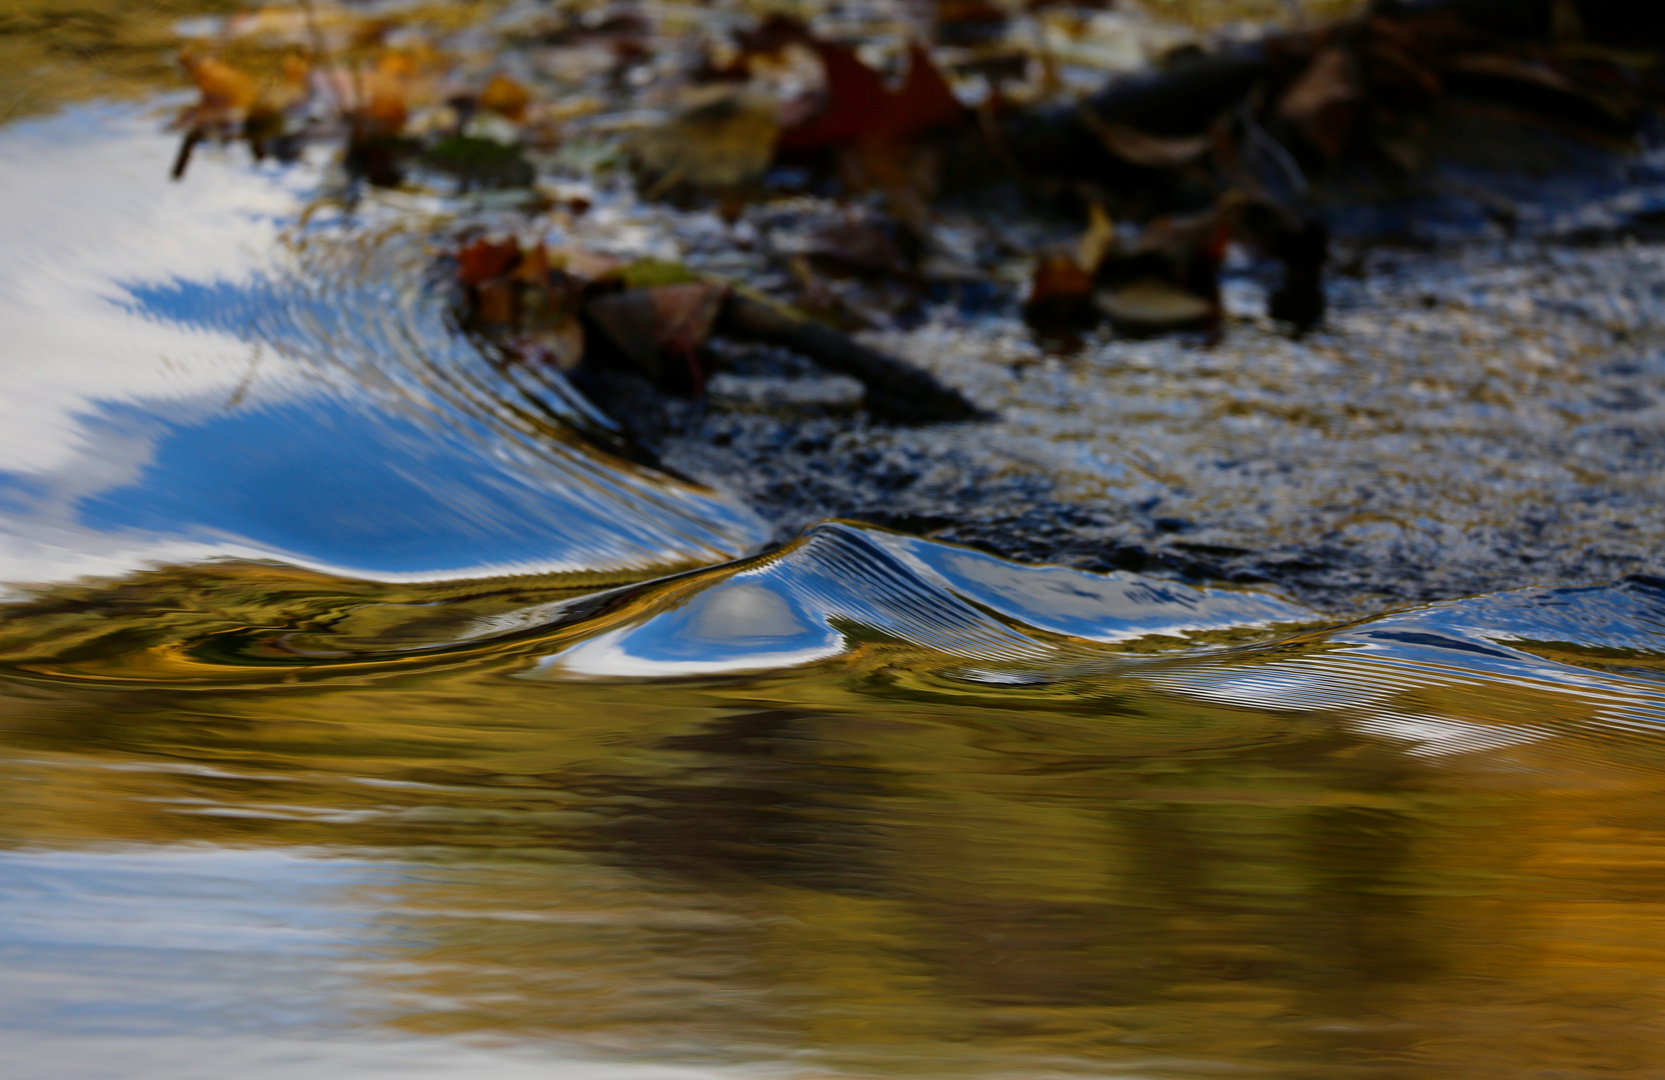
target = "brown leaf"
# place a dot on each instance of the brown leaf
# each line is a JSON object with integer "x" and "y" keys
{"x": 684, "y": 314}
{"x": 1582, "y": 100}
{"x": 484, "y": 260}
{"x": 856, "y": 96}
{"x": 550, "y": 330}
{"x": 1057, "y": 275}
{"x": 525, "y": 307}
{"x": 496, "y": 302}
{"x": 660, "y": 328}
{"x": 1323, "y": 102}
{"x": 1615, "y": 98}
{"x": 925, "y": 102}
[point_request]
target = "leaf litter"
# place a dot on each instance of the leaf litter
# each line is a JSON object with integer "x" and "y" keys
{"x": 1092, "y": 168}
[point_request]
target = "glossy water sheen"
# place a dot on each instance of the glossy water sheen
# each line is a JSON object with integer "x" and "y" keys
{"x": 435, "y": 742}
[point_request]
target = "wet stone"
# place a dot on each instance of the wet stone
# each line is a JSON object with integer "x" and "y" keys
{"x": 1403, "y": 452}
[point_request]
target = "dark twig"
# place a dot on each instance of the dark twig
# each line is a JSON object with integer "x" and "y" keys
{"x": 895, "y": 389}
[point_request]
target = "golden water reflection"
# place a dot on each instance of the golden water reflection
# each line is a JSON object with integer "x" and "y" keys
{"x": 858, "y": 868}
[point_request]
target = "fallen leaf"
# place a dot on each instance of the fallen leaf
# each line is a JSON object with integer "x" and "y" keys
{"x": 1517, "y": 68}
{"x": 234, "y": 101}
{"x": 683, "y": 315}
{"x": 1060, "y": 295}
{"x": 647, "y": 273}
{"x": 506, "y": 98}
{"x": 1322, "y": 103}
{"x": 521, "y": 303}
{"x": 385, "y": 91}
{"x": 533, "y": 267}
{"x": 264, "y": 127}
{"x": 1397, "y": 76}
{"x": 721, "y": 141}
{"x": 660, "y": 329}
{"x": 484, "y": 259}
{"x": 1058, "y": 274}
{"x": 1097, "y": 241}
{"x": 496, "y": 302}
{"x": 860, "y": 108}
{"x": 226, "y": 90}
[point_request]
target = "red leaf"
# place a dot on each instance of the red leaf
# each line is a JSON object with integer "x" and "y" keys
{"x": 860, "y": 108}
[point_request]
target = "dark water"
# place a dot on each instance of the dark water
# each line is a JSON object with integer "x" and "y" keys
{"x": 359, "y": 717}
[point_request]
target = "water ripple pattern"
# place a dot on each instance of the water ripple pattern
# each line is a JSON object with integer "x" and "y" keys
{"x": 1524, "y": 662}
{"x": 174, "y": 393}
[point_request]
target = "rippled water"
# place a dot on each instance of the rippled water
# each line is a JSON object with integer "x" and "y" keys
{"x": 361, "y": 714}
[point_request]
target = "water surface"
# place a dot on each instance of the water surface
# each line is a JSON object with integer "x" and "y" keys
{"x": 364, "y": 711}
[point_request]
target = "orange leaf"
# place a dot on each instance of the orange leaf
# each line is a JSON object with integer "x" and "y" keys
{"x": 223, "y": 86}
{"x": 1059, "y": 277}
{"x": 386, "y": 102}
{"x": 1060, "y": 295}
{"x": 533, "y": 267}
{"x": 505, "y": 97}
